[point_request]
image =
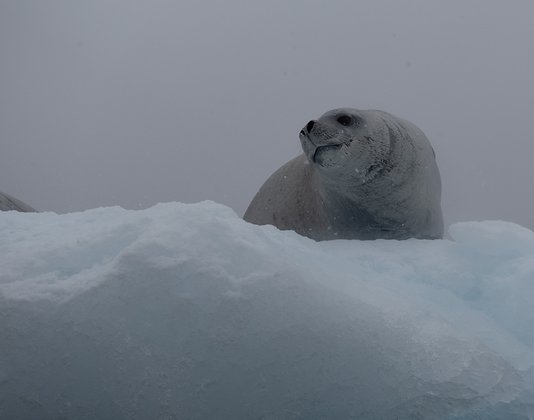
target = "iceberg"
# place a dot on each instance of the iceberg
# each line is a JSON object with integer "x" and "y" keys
{"x": 185, "y": 311}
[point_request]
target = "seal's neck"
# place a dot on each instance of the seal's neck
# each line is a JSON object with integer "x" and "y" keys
{"x": 362, "y": 217}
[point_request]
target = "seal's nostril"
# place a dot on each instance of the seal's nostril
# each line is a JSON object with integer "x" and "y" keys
{"x": 310, "y": 125}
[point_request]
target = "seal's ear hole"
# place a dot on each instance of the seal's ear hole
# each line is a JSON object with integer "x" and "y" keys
{"x": 345, "y": 120}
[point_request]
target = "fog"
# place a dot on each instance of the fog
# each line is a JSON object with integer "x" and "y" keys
{"x": 132, "y": 103}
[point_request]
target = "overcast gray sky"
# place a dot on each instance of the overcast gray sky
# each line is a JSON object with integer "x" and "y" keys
{"x": 135, "y": 102}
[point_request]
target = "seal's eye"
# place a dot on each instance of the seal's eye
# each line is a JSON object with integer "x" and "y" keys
{"x": 345, "y": 120}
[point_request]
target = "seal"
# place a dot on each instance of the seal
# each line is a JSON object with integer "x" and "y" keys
{"x": 11, "y": 203}
{"x": 364, "y": 174}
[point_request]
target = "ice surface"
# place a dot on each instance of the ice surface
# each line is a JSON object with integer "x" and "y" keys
{"x": 188, "y": 312}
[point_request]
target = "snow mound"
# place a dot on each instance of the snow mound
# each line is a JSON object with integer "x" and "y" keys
{"x": 188, "y": 312}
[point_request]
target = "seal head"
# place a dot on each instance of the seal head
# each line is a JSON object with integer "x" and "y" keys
{"x": 345, "y": 140}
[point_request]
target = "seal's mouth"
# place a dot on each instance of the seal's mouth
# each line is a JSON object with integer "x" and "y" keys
{"x": 323, "y": 145}
{"x": 326, "y": 155}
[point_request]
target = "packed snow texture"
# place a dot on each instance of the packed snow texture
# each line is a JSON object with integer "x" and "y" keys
{"x": 188, "y": 312}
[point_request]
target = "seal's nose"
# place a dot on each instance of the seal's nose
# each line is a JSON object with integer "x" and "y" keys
{"x": 310, "y": 125}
